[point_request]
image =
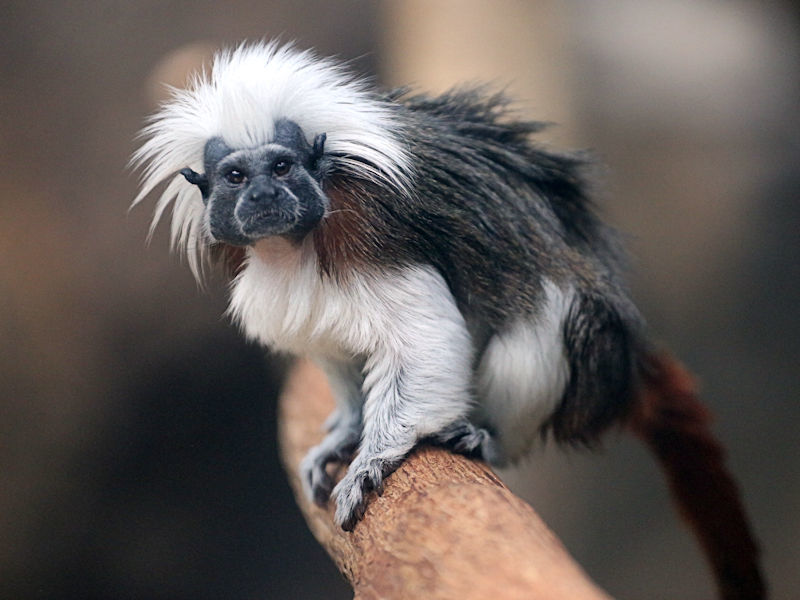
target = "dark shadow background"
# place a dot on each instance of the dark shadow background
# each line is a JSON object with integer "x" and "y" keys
{"x": 137, "y": 446}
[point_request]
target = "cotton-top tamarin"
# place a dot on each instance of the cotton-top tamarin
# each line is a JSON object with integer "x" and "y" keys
{"x": 449, "y": 276}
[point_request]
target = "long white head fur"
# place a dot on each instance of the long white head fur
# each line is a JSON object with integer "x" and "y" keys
{"x": 248, "y": 89}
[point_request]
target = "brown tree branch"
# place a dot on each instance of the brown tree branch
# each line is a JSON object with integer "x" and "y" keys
{"x": 446, "y": 527}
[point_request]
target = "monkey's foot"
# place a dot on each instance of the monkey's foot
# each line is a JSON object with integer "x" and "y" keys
{"x": 351, "y": 492}
{"x": 317, "y": 483}
{"x": 465, "y": 438}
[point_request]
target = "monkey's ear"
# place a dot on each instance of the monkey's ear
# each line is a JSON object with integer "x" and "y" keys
{"x": 318, "y": 148}
{"x": 197, "y": 179}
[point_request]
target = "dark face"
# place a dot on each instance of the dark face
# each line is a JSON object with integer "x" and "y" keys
{"x": 259, "y": 192}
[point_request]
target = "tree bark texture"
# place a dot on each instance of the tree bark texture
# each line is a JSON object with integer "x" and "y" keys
{"x": 445, "y": 526}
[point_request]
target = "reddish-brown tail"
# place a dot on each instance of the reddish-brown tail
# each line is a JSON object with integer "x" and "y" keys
{"x": 671, "y": 420}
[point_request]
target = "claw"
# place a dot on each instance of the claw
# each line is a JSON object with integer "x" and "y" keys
{"x": 465, "y": 438}
{"x": 351, "y": 492}
{"x": 317, "y": 484}
{"x": 321, "y": 488}
{"x": 351, "y": 503}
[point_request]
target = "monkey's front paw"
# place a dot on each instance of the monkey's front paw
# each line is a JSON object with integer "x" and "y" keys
{"x": 317, "y": 484}
{"x": 337, "y": 447}
{"x": 351, "y": 492}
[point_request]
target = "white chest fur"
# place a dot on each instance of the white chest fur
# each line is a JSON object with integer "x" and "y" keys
{"x": 281, "y": 301}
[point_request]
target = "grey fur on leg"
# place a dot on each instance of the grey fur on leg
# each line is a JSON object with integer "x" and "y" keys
{"x": 380, "y": 452}
{"x": 416, "y": 381}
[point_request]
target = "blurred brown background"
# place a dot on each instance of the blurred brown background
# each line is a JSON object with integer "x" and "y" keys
{"x": 137, "y": 454}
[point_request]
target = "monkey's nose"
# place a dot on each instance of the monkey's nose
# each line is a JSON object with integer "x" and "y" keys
{"x": 262, "y": 194}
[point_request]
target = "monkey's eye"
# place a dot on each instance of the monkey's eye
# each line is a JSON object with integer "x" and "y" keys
{"x": 234, "y": 176}
{"x": 281, "y": 167}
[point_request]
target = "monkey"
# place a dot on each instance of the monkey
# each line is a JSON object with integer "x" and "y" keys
{"x": 450, "y": 276}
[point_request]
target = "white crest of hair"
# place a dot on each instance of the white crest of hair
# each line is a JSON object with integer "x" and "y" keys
{"x": 404, "y": 325}
{"x": 523, "y": 373}
{"x": 248, "y": 90}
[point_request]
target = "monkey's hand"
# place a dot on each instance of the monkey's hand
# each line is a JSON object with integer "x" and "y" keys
{"x": 367, "y": 474}
{"x": 338, "y": 446}
{"x": 364, "y": 476}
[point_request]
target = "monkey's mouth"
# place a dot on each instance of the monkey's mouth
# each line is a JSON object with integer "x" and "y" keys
{"x": 250, "y": 222}
{"x": 256, "y": 221}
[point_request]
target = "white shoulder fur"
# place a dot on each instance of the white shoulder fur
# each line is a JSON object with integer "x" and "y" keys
{"x": 247, "y": 91}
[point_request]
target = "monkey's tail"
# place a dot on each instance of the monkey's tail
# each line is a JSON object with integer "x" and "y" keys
{"x": 675, "y": 425}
